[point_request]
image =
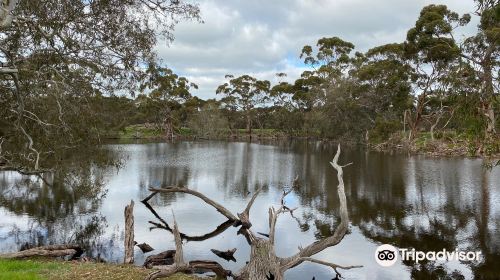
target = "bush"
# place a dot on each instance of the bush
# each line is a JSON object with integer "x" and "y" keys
{"x": 383, "y": 130}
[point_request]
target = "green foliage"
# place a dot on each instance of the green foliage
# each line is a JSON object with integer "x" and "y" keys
{"x": 432, "y": 34}
{"x": 70, "y": 56}
{"x": 209, "y": 122}
{"x": 383, "y": 129}
{"x": 430, "y": 82}
{"x": 244, "y": 93}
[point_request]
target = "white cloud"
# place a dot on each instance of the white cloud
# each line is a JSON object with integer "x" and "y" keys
{"x": 262, "y": 37}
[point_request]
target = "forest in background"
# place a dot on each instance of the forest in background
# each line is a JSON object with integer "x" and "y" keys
{"x": 429, "y": 87}
{"x": 68, "y": 81}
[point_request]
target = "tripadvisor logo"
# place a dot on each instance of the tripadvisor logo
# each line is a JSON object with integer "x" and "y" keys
{"x": 387, "y": 255}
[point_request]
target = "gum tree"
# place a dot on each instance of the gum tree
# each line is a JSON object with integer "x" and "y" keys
{"x": 430, "y": 49}
{"x": 482, "y": 51}
{"x": 244, "y": 93}
{"x": 61, "y": 55}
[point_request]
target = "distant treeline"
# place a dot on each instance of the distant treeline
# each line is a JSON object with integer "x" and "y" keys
{"x": 429, "y": 84}
{"x": 61, "y": 73}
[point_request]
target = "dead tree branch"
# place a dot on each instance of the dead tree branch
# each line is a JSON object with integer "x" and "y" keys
{"x": 164, "y": 225}
{"x": 221, "y": 209}
{"x": 340, "y": 231}
{"x": 45, "y": 251}
{"x": 263, "y": 263}
{"x": 129, "y": 233}
{"x": 180, "y": 266}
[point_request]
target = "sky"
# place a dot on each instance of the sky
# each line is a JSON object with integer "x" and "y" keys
{"x": 264, "y": 37}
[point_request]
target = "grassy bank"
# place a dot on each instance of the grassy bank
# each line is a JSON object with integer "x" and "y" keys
{"x": 39, "y": 269}
{"x": 142, "y": 131}
{"x": 444, "y": 143}
{"x": 136, "y": 131}
{"x": 448, "y": 143}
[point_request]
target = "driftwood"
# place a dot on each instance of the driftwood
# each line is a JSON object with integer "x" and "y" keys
{"x": 227, "y": 255}
{"x": 145, "y": 248}
{"x": 180, "y": 265}
{"x": 164, "y": 225}
{"x": 263, "y": 263}
{"x": 46, "y": 251}
{"x": 129, "y": 233}
{"x": 161, "y": 259}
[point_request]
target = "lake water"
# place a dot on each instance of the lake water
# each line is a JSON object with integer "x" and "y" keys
{"x": 407, "y": 201}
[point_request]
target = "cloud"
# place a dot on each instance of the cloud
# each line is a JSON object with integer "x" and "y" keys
{"x": 263, "y": 37}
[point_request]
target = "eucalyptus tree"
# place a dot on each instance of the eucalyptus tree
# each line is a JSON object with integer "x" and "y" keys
{"x": 482, "y": 51}
{"x": 209, "y": 121}
{"x": 166, "y": 90}
{"x": 336, "y": 111}
{"x": 64, "y": 54}
{"x": 329, "y": 60}
{"x": 431, "y": 48}
{"x": 383, "y": 86}
{"x": 244, "y": 93}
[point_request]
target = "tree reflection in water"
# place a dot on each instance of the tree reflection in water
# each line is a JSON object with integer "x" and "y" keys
{"x": 59, "y": 207}
{"x": 408, "y": 201}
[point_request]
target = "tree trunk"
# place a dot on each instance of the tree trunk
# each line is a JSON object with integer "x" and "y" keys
{"x": 169, "y": 131}
{"x": 45, "y": 251}
{"x": 488, "y": 95}
{"x": 414, "y": 123}
{"x": 129, "y": 233}
{"x": 490, "y": 121}
{"x": 249, "y": 125}
{"x": 263, "y": 263}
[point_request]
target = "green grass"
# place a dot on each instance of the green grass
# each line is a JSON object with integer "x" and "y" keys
{"x": 27, "y": 270}
{"x": 139, "y": 131}
{"x": 45, "y": 269}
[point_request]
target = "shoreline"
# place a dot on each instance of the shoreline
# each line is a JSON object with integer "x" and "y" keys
{"x": 421, "y": 145}
{"x": 57, "y": 269}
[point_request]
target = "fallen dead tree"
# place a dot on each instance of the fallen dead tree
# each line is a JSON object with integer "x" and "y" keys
{"x": 180, "y": 265}
{"x": 263, "y": 263}
{"x": 46, "y": 251}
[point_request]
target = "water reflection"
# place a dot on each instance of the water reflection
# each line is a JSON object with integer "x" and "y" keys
{"x": 408, "y": 201}
{"x": 60, "y": 207}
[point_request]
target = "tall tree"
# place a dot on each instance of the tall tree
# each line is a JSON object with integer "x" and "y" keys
{"x": 167, "y": 89}
{"x": 383, "y": 83}
{"x": 431, "y": 48}
{"x": 67, "y": 52}
{"x": 244, "y": 93}
{"x": 483, "y": 51}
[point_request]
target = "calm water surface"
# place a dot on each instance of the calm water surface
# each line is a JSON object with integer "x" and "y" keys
{"x": 407, "y": 201}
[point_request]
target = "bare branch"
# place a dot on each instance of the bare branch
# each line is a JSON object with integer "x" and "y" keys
{"x": 244, "y": 217}
{"x": 332, "y": 265}
{"x": 340, "y": 231}
{"x": 180, "y": 266}
{"x": 145, "y": 200}
{"x": 221, "y": 209}
{"x": 273, "y": 214}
